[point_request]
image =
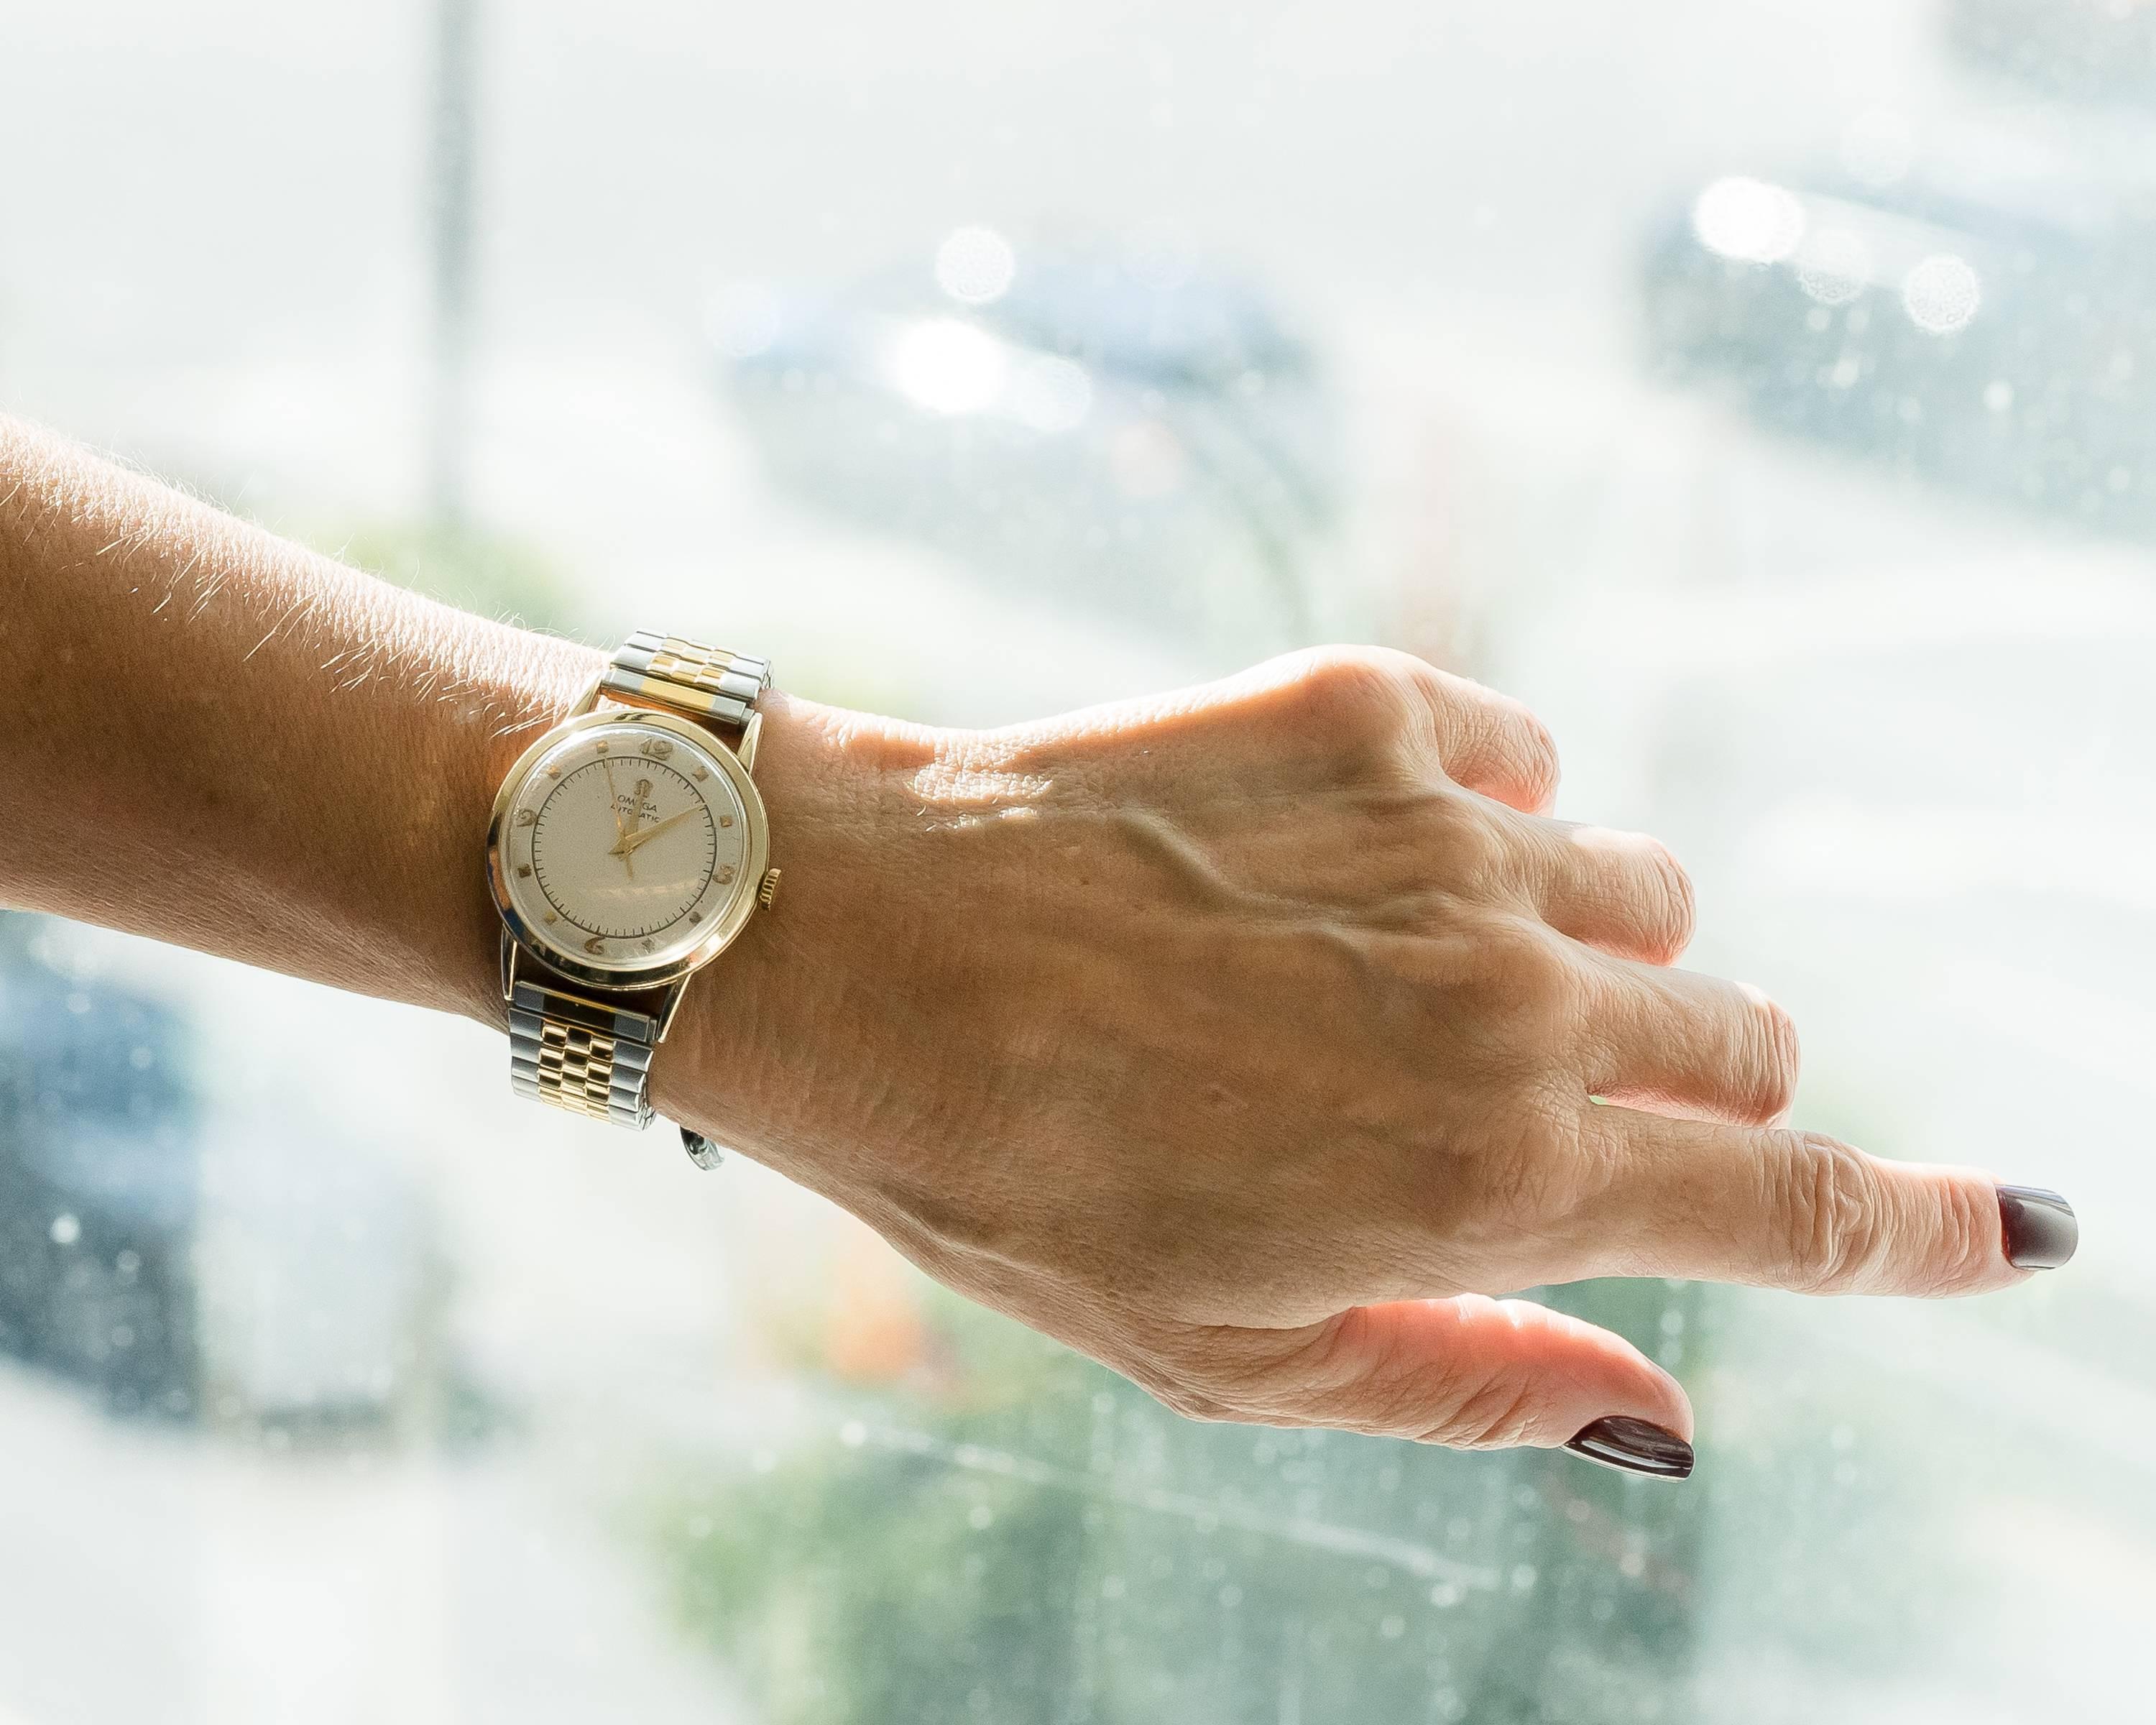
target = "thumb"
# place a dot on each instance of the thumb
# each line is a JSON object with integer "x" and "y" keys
{"x": 1481, "y": 1373}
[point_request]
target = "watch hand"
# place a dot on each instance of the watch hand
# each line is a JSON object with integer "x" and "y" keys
{"x": 629, "y": 841}
{"x": 620, "y": 832}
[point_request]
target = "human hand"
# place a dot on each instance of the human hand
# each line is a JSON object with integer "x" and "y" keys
{"x": 1249, "y": 1037}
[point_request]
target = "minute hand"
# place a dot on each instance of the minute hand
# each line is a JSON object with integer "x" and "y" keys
{"x": 644, "y": 835}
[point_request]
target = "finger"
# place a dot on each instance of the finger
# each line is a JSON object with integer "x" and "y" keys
{"x": 1325, "y": 704}
{"x": 1675, "y": 1042}
{"x": 1790, "y": 1209}
{"x": 1478, "y": 1374}
{"x": 1622, "y": 893}
{"x": 1485, "y": 742}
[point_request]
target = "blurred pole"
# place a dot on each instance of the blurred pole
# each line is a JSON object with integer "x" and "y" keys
{"x": 452, "y": 197}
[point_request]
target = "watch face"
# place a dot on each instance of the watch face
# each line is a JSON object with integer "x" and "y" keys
{"x": 627, "y": 846}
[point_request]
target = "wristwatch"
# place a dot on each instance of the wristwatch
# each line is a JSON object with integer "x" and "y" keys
{"x": 628, "y": 848}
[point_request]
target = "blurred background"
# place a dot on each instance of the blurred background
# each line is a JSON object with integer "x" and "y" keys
{"x": 1764, "y": 393}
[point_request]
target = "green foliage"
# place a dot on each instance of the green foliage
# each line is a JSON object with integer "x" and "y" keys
{"x": 1031, "y": 1538}
{"x": 491, "y": 574}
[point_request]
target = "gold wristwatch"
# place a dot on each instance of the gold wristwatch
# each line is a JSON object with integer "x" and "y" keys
{"x": 628, "y": 848}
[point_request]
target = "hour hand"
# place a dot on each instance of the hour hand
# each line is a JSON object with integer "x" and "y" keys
{"x": 620, "y": 831}
{"x": 629, "y": 841}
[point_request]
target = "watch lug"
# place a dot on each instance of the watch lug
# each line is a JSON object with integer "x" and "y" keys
{"x": 586, "y": 701}
{"x": 508, "y": 967}
{"x": 752, "y": 733}
{"x": 667, "y": 1005}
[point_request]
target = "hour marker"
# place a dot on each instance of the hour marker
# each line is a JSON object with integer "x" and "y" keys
{"x": 524, "y": 871}
{"x": 696, "y": 916}
{"x": 553, "y": 772}
{"x": 546, "y": 917}
{"x": 725, "y": 820}
{"x": 644, "y": 946}
{"x": 700, "y": 774}
{"x": 657, "y": 747}
{"x": 603, "y": 745}
{"x": 725, "y": 875}
{"x": 595, "y": 947}
{"x": 526, "y": 817}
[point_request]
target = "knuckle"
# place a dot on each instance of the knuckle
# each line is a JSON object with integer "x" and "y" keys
{"x": 1178, "y": 1388}
{"x": 1537, "y": 769}
{"x": 1523, "y": 978}
{"x": 1496, "y": 1412}
{"x": 1829, "y": 1201}
{"x": 1675, "y": 913}
{"x": 1460, "y": 844}
{"x": 1353, "y": 698}
{"x": 1191, "y": 1403}
{"x": 1525, "y": 1185}
{"x": 1776, "y": 1064}
{"x": 1965, "y": 1253}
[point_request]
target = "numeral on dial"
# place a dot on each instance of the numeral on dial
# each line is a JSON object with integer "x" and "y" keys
{"x": 658, "y": 747}
{"x": 527, "y": 817}
{"x": 596, "y": 947}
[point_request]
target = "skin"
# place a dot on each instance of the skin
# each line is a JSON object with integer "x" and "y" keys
{"x": 1248, "y": 1039}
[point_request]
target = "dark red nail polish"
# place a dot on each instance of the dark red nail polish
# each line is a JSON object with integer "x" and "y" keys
{"x": 1636, "y": 1446}
{"x": 2037, "y": 1228}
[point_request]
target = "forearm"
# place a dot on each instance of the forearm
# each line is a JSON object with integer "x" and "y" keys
{"x": 219, "y": 739}
{"x": 1230, "y": 1037}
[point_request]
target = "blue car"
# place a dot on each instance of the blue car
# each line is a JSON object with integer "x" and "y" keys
{"x": 1151, "y": 439}
{"x": 99, "y": 1184}
{"x": 1983, "y": 323}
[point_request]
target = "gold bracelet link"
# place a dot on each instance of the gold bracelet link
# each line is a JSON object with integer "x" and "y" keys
{"x": 572, "y": 1050}
{"x": 697, "y": 682}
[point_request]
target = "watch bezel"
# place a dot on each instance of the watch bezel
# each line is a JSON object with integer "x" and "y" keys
{"x": 756, "y": 858}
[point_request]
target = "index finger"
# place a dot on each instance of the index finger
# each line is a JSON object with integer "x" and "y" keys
{"x": 1800, "y": 1210}
{"x": 1487, "y": 741}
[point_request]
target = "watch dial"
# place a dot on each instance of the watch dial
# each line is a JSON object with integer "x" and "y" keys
{"x": 623, "y": 847}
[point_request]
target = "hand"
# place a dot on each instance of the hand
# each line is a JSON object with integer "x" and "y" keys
{"x": 1248, "y": 1038}
{"x": 626, "y": 845}
{"x": 620, "y": 845}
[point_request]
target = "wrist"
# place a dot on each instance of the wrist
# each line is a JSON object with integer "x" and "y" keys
{"x": 777, "y": 1039}
{"x": 528, "y": 683}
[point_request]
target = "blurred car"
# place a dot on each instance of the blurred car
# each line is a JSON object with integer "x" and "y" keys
{"x": 99, "y": 1183}
{"x": 2097, "y": 50}
{"x": 1988, "y": 319}
{"x": 1123, "y": 425}
{"x": 183, "y": 1260}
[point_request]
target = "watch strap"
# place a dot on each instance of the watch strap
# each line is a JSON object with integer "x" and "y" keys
{"x": 589, "y": 1057}
{"x": 581, "y": 1054}
{"x": 709, "y": 684}
{"x": 576, "y": 1050}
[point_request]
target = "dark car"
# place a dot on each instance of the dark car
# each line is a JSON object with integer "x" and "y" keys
{"x": 1987, "y": 321}
{"x": 2093, "y": 50}
{"x": 1146, "y": 437}
{"x": 100, "y": 1174}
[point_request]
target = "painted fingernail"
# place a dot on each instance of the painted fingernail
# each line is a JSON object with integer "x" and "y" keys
{"x": 1636, "y": 1446}
{"x": 2036, "y": 1227}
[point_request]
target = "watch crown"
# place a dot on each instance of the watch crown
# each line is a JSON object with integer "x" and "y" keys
{"x": 769, "y": 889}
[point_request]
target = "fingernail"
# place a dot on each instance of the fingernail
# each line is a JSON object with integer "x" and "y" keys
{"x": 2036, "y": 1227}
{"x": 1636, "y": 1446}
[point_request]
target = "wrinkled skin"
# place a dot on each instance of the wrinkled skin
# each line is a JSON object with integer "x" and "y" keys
{"x": 1250, "y": 1037}
{"x": 1245, "y": 1038}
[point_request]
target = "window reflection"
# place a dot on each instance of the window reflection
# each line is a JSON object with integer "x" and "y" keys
{"x": 1762, "y": 396}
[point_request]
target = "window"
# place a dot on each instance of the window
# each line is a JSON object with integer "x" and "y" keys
{"x": 1764, "y": 392}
